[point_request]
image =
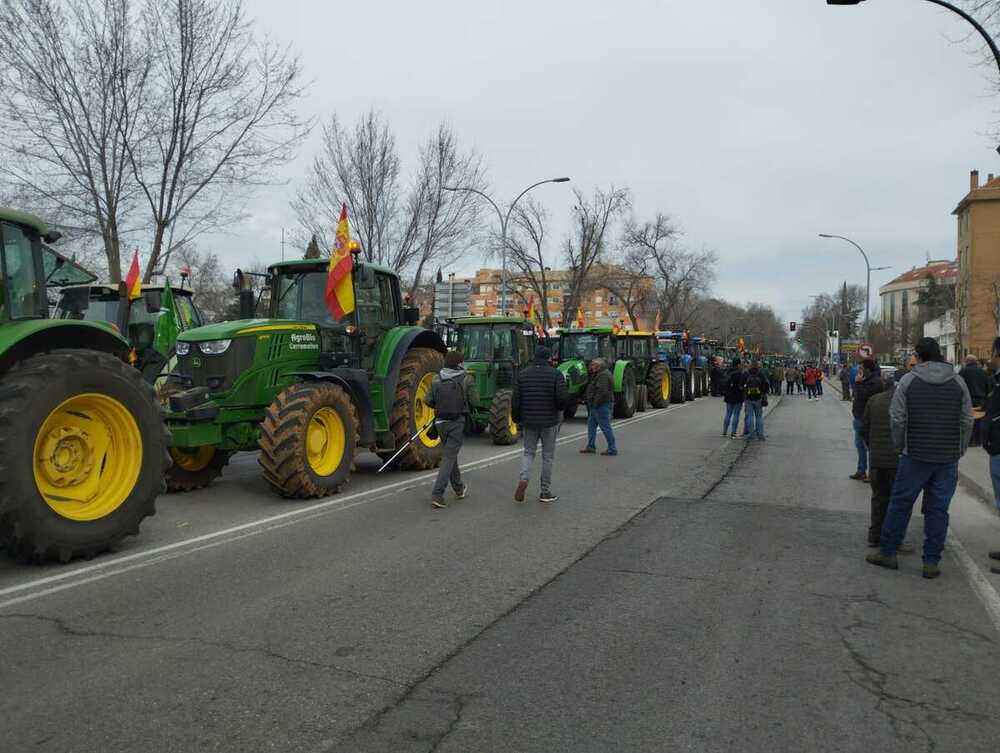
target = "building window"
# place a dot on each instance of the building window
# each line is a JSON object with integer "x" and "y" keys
{"x": 611, "y": 300}
{"x": 597, "y": 299}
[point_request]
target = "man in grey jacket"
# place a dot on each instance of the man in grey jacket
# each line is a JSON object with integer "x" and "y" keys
{"x": 931, "y": 423}
{"x": 448, "y": 396}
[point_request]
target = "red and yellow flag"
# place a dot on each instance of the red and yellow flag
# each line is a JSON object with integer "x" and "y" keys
{"x": 579, "y": 318}
{"x": 742, "y": 345}
{"x": 616, "y": 328}
{"x": 133, "y": 280}
{"x": 339, "y": 293}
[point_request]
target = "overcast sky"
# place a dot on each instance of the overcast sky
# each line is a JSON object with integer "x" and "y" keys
{"x": 756, "y": 125}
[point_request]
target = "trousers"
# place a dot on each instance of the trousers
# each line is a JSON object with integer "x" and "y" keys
{"x": 452, "y": 434}
{"x": 532, "y": 436}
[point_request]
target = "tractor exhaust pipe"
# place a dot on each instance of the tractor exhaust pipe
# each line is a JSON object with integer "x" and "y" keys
{"x": 247, "y": 304}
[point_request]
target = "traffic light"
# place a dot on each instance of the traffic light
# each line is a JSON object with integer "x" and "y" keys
{"x": 791, "y": 327}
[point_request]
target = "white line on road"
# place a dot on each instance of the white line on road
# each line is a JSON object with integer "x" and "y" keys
{"x": 979, "y": 582}
{"x": 129, "y": 562}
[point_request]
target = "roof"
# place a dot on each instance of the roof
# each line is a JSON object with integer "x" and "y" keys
{"x": 587, "y": 331}
{"x": 989, "y": 191}
{"x": 23, "y": 218}
{"x": 491, "y": 320}
{"x": 941, "y": 270}
{"x": 633, "y": 333}
{"x": 322, "y": 264}
{"x": 109, "y": 289}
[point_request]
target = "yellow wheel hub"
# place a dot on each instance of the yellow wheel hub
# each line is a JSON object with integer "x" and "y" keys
{"x": 511, "y": 426}
{"x": 422, "y": 413}
{"x": 87, "y": 457}
{"x": 192, "y": 460}
{"x": 326, "y": 441}
{"x": 665, "y": 386}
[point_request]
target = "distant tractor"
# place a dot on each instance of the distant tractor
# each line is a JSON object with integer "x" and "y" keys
{"x": 673, "y": 351}
{"x": 577, "y": 348}
{"x": 652, "y": 375}
{"x": 495, "y": 349}
{"x": 307, "y": 390}
{"x": 83, "y": 447}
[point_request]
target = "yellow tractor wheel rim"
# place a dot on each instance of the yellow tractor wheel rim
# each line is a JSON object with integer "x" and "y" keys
{"x": 665, "y": 386}
{"x": 193, "y": 460}
{"x": 326, "y": 441}
{"x": 422, "y": 413}
{"x": 511, "y": 426}
{"x": 87, "y": 457}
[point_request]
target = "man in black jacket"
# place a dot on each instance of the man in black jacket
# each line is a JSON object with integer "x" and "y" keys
{"x": 540, "y": 395}
{"x": 869, "y": 382}
{"x": 877, "y": 433}
{"x": 734, "y": 398}
{"x": 978, "y": 383}
{"x": 991, "y": 434}
{"x": 600, "y": 395}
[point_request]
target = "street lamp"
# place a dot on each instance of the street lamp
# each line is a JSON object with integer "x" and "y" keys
{"x": 975, "y": 24}
{"x": 868, "y": 266}
{"x": 504, "y": 219}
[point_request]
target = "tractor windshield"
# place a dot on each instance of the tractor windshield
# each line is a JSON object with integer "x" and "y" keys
{"x": 299, "y": 295}
{"x": 476, "y": 342}
{"x": 585, "y": 346}
{"x": 20, "y": 291}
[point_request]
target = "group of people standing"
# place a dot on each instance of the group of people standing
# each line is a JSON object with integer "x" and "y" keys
{"x": 745, "y": 388}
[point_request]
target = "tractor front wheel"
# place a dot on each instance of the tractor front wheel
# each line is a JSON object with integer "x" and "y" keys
{"x": 624, "y": 406}
{"x": 640, "y": 398}
{"x": 659, "y": 387}
{"x": 308, "y": 439}
{"x": 195, "y": 467}
{"x": 503, "y": 430}
{"x": 677, "y": 381}
{"x": 409, "y": 412}
{"x": 83, "y": 449}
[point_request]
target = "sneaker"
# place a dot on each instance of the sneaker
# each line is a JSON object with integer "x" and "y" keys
{"x": 587, "y": 451}
{"x": 995, "y": 570}
{"x": 873, "y": 544}
{"x": 461, "y": 494}
{"x": 547, "y": 497}
{"x": 859, "y": 476}
{"x": 438, "y": 503}
{"x": 877, "y": 558}
{"x": 519, "y": 491}
{"x": 931, "y": 571}
{"x": 732, "y": 436}
{"x": 610, "y": 453}
{"x": 994, "y": 555}
{"x": 905, "y": 548}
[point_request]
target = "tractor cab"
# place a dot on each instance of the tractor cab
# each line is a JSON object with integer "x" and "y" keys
{"x": 495, "y": 348}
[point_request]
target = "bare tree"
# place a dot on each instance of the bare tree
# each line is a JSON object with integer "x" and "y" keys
{"x": 526, "y": 254}
{"x": 68, "y": 93}
{"x": 629, "y": 280}
{"x": 585, "y": 246}
{"x": 217, "y": 115}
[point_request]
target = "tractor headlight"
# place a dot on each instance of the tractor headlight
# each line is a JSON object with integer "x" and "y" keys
{"x": 182, "y": 348}
{"x": 214, "y": 347}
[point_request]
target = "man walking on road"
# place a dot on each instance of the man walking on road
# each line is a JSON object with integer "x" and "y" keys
{"x": 845, "y": 382}
{"x": 755, "y": 389}
{"x": 600, "y": 394}
{"x": 791, "y": 379}
{"x": 447, "y": 397}
{"x": 931, "y": 418}
{"x": 877, "y": 434}
{"x": 539, "y": 397}
{"x": 869, "y": 382}
{"x": 978, "y": 383}
{"x": 810, "y": 379}
{"x": 734, "y": 397}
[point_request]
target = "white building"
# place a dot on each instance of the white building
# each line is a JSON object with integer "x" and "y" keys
{"x": 942, "y": 329}
{"x": 899, "y": 296}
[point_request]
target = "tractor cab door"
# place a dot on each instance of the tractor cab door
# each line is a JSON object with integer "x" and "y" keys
{"x": 379, "y": 310}
{"x": 525, "y": 342}
{"x": 607, "y": 350}
{"x": 22, "y": 290}
{"x": 504, "y": 355}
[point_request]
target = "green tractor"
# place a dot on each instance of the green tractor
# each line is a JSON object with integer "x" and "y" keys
{"x": 495, "y": 349}
{"x": 83, "y": 448}
{"x": 305, "y": 389}
{"x": 652, "y": 374}
{"x": 577, "y": 348}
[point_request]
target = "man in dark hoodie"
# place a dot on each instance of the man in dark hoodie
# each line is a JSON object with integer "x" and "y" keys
{"x": 540, "y": 395}
{"x": 931, "y": 419}
{"x": 734, "y": 396}
{"x": 877, "y": 433}
{"x": 447, "y": 396}
{"x": 868, "y": 382}
{"x": 978, "y": 383}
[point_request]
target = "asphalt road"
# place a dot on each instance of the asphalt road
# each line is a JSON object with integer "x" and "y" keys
{"x": 693, "y": 594}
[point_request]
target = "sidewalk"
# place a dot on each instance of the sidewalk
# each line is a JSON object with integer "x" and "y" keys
{"x": 973, "y": 469}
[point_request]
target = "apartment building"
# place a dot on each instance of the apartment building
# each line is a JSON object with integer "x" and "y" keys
{"x": 977, "y": 295}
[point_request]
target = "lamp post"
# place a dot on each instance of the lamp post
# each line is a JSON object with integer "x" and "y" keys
{"x": 958, "y": 11}
{"x": 504, "y": 219}
{"x": 868, "y": 266}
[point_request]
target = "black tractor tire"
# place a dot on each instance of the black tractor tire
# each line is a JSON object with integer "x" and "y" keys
{"x": 192, "y": 470}
{"x": 640, "y": 398}
{"x": 570, "y": 410}
{"x": 30, "y": 394}
{"x": 677, "y": 391}
{"x": 624, "y": 406}
{"x": 689, "y": 386}
{"x": 284, "y": 438}
{"x": 500, "y": 419}
{"x": 473, "y": 427}
{"x": 658, "y": 372}
{"x": 422, "y": 453}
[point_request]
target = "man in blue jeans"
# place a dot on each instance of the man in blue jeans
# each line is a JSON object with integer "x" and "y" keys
{"x": 867, "y": 383}
{"x": 734, "y": 397}
{"x": 991, "y": 434}
{"x": 600, "y": 395}
{"x": 931, "y": 422}
{"x": 755, "y": 389}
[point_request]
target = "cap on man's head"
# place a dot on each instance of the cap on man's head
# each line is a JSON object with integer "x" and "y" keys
{"x": 543, "y": 353}
{"x": 453, "y": 359}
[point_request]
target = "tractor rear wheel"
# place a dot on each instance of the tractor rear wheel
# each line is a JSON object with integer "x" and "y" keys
{"x": 677, "y": 391}
{"x": 84, "y": 449}
{"x": 195, "y": 467}
{"x": 624, "y": 406}
{"x": 659, "y": 385}
{"x": 308, "y": 439}
{"x": 640, "y": 398}
{"x": 503, "y": 430}
{"x": 410, "y": 413}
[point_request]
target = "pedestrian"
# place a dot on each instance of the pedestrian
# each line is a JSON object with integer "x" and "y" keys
{"x": 845, "y": 382}
{"x": 779, "y": 378}
{"x": 715, "y": 376}
{"x": 977, "y": 381}
{"x": 801, "y": 377}
{"x": 869, "y": 382}
{"x": 791, "y": 378}
{"x": 810, "y": 380}
{"x": 991, "y": 434}
{"x": 755, "y": 390}
{"x": 931, "y": 420}
{"x": 734, "y": 397}
{"x": 539, "y": 397}
{"x": 448, "y": 397}
{"x": 600, "y": 394}
{"x": 877, "y": 434}
{"x": 819, "y": 383}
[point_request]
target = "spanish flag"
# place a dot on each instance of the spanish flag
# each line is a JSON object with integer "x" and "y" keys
{"x": 133, "y": 280}
{"x": 579, "y": 318}
{"x": 742, "y": 345}
{"x": 339, "y": 293}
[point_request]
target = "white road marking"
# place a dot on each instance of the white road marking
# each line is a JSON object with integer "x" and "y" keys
{"x": 987, "y": 594}
{"x": 337, "y": 503}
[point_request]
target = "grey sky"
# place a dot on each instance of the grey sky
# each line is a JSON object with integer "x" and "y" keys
{"x": 757, "y": 125}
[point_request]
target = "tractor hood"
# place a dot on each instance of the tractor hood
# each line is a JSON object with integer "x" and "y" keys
{"x": 239, "y": 327}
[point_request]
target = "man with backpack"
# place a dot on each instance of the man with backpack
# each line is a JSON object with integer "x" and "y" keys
{"x": 539, "y": 397}
{"x": 732, "y": 391}
{"x": 755, "y": 389}
{"x": 447, "y": 397}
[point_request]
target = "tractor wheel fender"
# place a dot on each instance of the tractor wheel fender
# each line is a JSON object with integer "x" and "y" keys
{"x": 413, "y": 337}
{"x": 355, "y": 382}
{"x": 620, "y": 368}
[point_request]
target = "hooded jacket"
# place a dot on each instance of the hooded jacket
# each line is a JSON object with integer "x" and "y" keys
{"x": 540, "y": 395}
{"x": 863, "y": 391}
{"x": 434, "y": 395}
{"x": 931, "y": 414}
{"x": 877, "y": 433}
{"x": 600, "y": 387}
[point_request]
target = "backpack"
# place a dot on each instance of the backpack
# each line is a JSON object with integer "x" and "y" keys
{"x": 754, "y": 387}
{"x": 450, "y": 399}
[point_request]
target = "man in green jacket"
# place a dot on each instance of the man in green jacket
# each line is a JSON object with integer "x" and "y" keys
{"x": 600, "y": 395}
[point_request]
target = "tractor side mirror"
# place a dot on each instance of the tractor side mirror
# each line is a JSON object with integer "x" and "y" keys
{"x": 154, "y": 301}
{"x": 411, "y": 315}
